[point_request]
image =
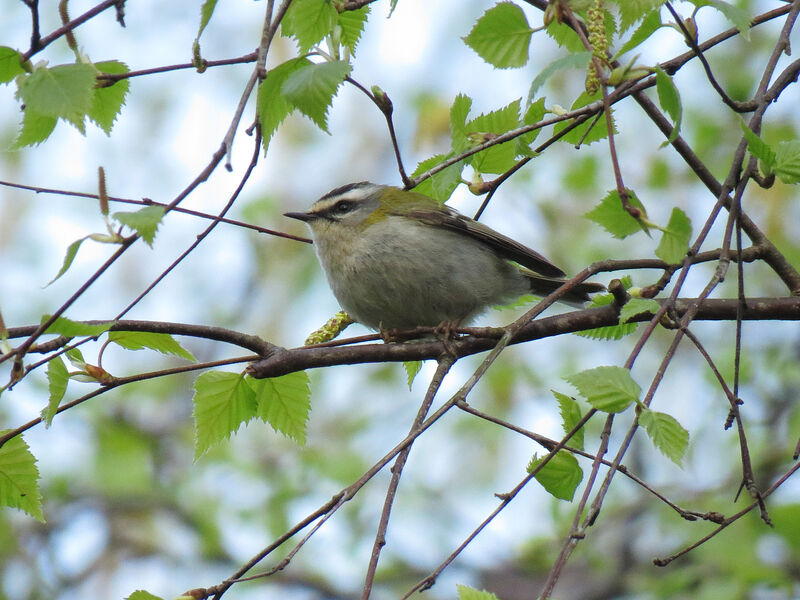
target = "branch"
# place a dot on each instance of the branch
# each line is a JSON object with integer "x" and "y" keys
{"x": 288, "y": 361}
{"x": 397, "y": 469}
{"x": 691, "y": 41}
{"x": 47, "y": 40}
{"x": 149, "y": 202}
{"x": 219, "y": 334}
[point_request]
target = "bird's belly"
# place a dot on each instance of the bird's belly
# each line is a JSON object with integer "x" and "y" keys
{"x": 400, "y": 283}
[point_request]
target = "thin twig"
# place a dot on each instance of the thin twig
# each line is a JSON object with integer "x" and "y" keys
{"x": 149, "y": 202}
{"x": 505, "y": 500}
{"x": 662, "y": 562}
{"x": 397, "y": 469}
{"x": 549, "y": 444}
{"x": 201, "y": 236}
{"x": 691, "y": 41}
{"x": 49, "y": 39}
{"x": 115, "y": 382}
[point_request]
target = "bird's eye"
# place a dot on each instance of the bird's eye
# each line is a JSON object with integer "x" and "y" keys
{"x": 343, "y": 207}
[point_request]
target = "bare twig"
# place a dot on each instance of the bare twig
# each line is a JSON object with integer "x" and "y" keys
{"x": 397, "y": 469}
{"x": 149, "y": 202}
{"x": 49, "y": 39}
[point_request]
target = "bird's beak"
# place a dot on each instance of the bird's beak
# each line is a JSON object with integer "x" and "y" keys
{"x": 301, "y": 216}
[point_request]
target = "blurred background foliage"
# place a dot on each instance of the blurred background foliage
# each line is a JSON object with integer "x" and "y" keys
{"x": 126, "y": 506}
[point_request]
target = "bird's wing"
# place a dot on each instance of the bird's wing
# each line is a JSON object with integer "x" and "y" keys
{"x": 505, "y": 246}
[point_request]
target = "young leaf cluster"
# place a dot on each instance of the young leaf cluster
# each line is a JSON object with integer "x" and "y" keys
{"x": 781, "y": 160}
{"x": 621, "y": 221}
{"x": 57, "y": 374}
{"x": 68, "y": 92}
{"x": 611, "y": 389}
{"x": 224, "y": 401}
{"x": 303, "y": 85}
{"x": 469, "y": 133}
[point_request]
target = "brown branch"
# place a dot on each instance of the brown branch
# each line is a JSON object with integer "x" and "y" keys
{"x": 691, "y": 41}
{"x": 505, "y": 500}
{"x": 352, "y": 5}
{"x": 219, "y": 334}
{"x": 149, "y": 202}
{"x": 49, "y": 39}
{"x": 771, "y": 255}
{"x": 201, "y": 236}
{"x": 109, "y": 78}
{"x": 127, "y": 242}
{"x": 296, "y": 359}
{"x": 384, "y": 104}
{"x": 662, "y": 562}
{"x": 115, "y": 382}
{"x": 397, "y": 469}
{"x": 549, "y": 444}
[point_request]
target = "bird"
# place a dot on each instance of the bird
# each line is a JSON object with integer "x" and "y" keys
{"x": 398, "y": 259}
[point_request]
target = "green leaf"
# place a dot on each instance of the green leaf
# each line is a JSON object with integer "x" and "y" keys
{"x": 589, "y": 131}
{"x": 610, "y": 215}
{"x": 412, "y": 367}
{"x": 108, "y": 101}
{"x": 675, "y": 238}
{"x": 609, "y": 389}
{"x": 501, "y": 157}
{"x": 352, "y": 23}
{"x": 273, "y": 107}
{"x": 468, "y": 593}
{"x": 670, "y": 101}
{"x": 19, "y": 487}
{"x": 308, "y": 22}
{"x": 57, "y": 378}
{"x": 64, "y": 91}
{"x": 206, "y": 11}
{"x": 160, "y": 342}
{"x": 631, "y": 11}
{"x": 637, "y": 306}
{"x": 570, "y": 417}
{"x": 284, "y": 403}
{"x": 10, "y": 64}
{"x": 64, "y": 326}
{"x": 75, "y": 358}
{"x": 787, "y": 161}
{"x": 760, "y": 149}
{"x": 312, "y": 88}
{"x": 144, "y": 221}
{"x": 610, "y": 332}
{"x": 459, "y": 112}
{"x": 143, "y": 595}
{"x": 560, "y": 476}
{"x": 501, "y": 36}
{"x": 69, "y": 256}
{"x": 35, "y": 129}
{"x": 573, "y": 60}
{"x": 738, "y": 17}
{"x": 648, "y": 26}
{"x": 441, "y": 185}
{"x": 667, "y": 434}
{"x": 222, "y": 402}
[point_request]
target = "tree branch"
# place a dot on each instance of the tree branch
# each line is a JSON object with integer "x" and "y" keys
{"x": 296, "y": 359}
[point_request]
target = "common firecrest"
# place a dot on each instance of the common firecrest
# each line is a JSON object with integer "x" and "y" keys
{"x": 397, "y": 259}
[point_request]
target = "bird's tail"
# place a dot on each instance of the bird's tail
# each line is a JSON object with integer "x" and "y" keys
{"x": 576, "y": 296}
